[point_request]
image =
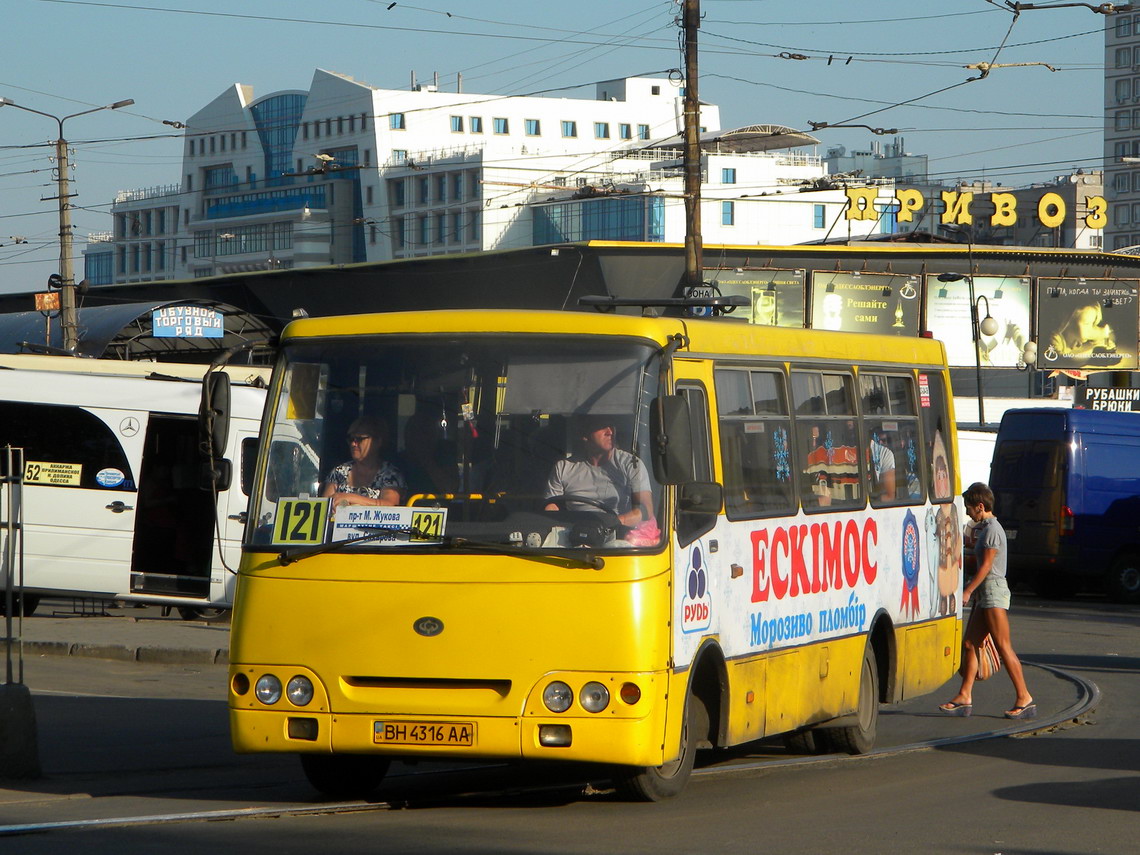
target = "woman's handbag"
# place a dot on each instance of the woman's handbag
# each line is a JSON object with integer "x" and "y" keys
{"x": 989, "y": 660}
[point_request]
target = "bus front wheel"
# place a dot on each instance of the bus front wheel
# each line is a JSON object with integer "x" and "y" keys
{"x": 657, "y": 783}
{"x": 859, "y": 737}
{"x": 344, "y": 776}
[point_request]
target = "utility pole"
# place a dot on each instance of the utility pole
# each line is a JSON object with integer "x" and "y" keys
{"x": 68, "y": 315}
{"x": 694, "y": 245}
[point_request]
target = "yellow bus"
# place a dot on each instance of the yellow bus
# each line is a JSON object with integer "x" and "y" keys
{"x": 792, "y": 562}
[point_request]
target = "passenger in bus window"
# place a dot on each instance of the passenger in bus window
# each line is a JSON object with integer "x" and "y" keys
{"x": 367, "y": 478}
{"x": 611, "y": 478}
{"x": 882, "y": 461}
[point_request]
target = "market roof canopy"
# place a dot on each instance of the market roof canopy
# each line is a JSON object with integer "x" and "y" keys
{"x": 746, "y": 139}
{"x": 125, "y": 332}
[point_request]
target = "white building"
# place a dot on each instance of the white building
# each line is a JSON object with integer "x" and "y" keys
{"x": 346, "y": 172}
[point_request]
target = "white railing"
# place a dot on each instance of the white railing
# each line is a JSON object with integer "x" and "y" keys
{"x": 148, "y": 193}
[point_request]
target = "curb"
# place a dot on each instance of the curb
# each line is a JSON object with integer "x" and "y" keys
{"x": 151, "y": 655}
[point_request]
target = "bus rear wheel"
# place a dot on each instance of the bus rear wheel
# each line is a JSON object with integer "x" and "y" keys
{"x": 344, "y": 776}
{"x": 859, "y": 738}
{"x": 657, "y": 783}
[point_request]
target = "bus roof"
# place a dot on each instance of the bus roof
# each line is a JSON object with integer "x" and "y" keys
{"x": 253, "y": 375}
{"x": 711, "y": 336}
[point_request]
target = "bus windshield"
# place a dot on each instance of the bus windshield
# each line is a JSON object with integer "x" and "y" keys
{"x": 411, "y": 443}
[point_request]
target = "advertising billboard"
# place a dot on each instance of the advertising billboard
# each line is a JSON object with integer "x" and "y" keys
{"x": 882, "y": 303}
{"x": 1007, "y": 301}
{"x": 775, "y": 297}
{"x": 1087, "y": 324}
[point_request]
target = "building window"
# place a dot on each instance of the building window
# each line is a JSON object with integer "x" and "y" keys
{"x": 476, "y": 124}
{"x": 728, "y": 175}
{"x": 532, "y": 127}
{"x": 457, "y": 186}
{"x": 339, "y": 125}
{"x": 425, "y": 190}
{"x": 1136, "y": 182}
{"x": 425, "y": 229}
{"x": 441, "y": 187}
{"x": 569, "y": 129}
{"x": 372, "y": 234}
{"x": 1123, "y": 89}
{"x": 457, "y": 227}
{"x": 352, "y": 124}
{"x": 1123, "y": 57}
{"x": 819, "y": 213}
{"x": 1121, "y": 182}
{"x": 399, "y": 194}
{"x": 396, "y": 122}
{"x": 399, "y": 155}
{"x": 728, "y": 213}
{"x": 457, "y": 124}
{"x": 368, "y": 194}
{"x": 1123, "y": 26}
{"x": 625, "y": 131}
{"x": 473, "y": 224}
{"x": 500, "y": 126}
{"x": 654, "y": 90}
{"x": 400, "y": 238}
{"x": 643, "y": 132}
{"x": 440, "y": 227}
{"x": 601, "y": 130}
{"x": 1122, "y": 120}
{"x": 474, "y": 184}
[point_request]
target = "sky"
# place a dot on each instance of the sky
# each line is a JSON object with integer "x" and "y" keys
{"x": 891, "y": 64}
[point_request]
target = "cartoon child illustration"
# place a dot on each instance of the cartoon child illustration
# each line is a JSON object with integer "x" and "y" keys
{"x": 949, "y": 558}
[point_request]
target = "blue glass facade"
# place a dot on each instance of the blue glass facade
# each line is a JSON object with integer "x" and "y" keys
{"x": 631, "y": 218}
{"x": 277, "y": 119}
{"x": 98, "y": 268}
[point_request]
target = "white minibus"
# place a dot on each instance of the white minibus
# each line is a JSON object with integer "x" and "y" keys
{"x": 118, "y": 502}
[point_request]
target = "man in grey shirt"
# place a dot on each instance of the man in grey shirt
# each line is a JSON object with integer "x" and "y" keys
{"x": 604, "y": 473}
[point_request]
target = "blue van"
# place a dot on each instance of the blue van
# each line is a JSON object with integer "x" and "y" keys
{"x": 1067, "y": 491}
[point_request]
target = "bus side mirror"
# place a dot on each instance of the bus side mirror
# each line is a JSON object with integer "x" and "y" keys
{"x": 671, "y": 439}
{"x": 214, "y": 430}
{"x": 698, "y": 505}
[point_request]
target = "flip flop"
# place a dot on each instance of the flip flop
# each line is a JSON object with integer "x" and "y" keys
{"x": 1027, "y": 711}
{"x": 956, "y": 709}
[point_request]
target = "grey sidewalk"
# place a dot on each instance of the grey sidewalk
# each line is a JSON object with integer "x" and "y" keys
{"x": 126, "y": 634}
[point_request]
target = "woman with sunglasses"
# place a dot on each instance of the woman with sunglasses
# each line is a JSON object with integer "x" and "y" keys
{"x": 366, "y": 479}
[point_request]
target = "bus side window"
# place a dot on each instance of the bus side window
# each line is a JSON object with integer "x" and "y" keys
{"x": 827, "y": 440}
{"x": 894, "y": 449}
{"x": 939, "y": 453}
{"x": 755, "y": 442}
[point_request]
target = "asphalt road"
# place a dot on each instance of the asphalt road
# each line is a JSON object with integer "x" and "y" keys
{"x": 146, "y": 744}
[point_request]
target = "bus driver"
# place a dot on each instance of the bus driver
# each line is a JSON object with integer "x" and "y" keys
{"x": 600, "y": 471}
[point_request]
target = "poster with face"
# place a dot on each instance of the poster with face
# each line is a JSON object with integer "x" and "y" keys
{"x": 775, "y": 297}
{"x": 1007, "y": 301}
{"x": 1087, "y": 324}
{"x": 882, "y": 303}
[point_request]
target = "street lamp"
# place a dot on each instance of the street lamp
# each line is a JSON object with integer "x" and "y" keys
{"x": 987, "y": 325}
{"x": 67, "y": 313}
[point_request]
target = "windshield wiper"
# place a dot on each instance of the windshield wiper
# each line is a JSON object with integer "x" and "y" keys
{"x": 588, "y": 559}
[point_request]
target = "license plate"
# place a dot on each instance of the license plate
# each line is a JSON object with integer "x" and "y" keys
{"x": 1011, "y": 534}
{"x": 460, "y": 733}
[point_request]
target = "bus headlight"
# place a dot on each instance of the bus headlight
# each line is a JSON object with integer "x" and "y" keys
{"x": 594, "y": 697}
{"x": 268, "y": 689}
{"x": 557, "y": 697}
{"x": 299, "y": 690}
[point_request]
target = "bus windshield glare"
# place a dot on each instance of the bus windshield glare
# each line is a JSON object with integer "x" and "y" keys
{"x": 515, "y": 442}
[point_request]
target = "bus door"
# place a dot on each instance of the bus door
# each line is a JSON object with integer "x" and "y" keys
{"x": 80, "y": 493}
{"x": 232, "y": 510}
{"x": 697, "y": 557}
{"x": 174, "y": 532}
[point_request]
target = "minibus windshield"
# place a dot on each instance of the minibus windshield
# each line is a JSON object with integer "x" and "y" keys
{"x": 532, "y": 443}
